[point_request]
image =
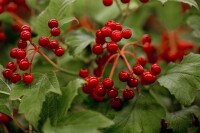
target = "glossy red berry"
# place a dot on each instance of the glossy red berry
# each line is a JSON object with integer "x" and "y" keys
{"x": 83, "y": 73}
{"x": 138, "y": 69}
{"x": 25, "y": 27}
{"x": 55, "y": 31}
{"x": 22, "y": 44}
{"x": 12, "y": 66}
{"x": 142, "y": 61}
{"x": 25, "y": 35}
{"x": 124, "y": 76}
{"x": 53, "y": 23}
{"x": 11, "y": 7}
{"x": 128, "y": 94}
{"x": 147, "y": 78}
{"x": 7, "y": 73}
{"x": 24, "y": 64}
{"x": 59, "y": 51}
{"x": 116, "y": 103}
{"x": 112, "y": 47}
{"x": 147, "y": 47}
{"x": 100, "y": 91}
{"x": 21, "y": 54}
{"x": 106, "y": 31}
{"x": 112, "y": 93}
{"x": 2, "y": 36}
{"x": 100, "y": 41}
{"x": 96, "y": 97}
{"x": 86, "y": 89}
{"x": 116, "y": 36}
{"x": 125, "y": 1}
{"x": 118, "y": 27}
{"x": 4, "y": 119}
{"x": 28, "y": 78}
{"x": 98, "y": 71}
{"x": 108, "y": 83}
{"x": 107, "y": 2}
{"x": 54, "y": 44}
{"x": 146, "y": 38}
{"x": 132, "y": 82}
{"x": 13, "y": 53}
{"x": 126, "y": 33}
{"x": 97, "y": 49}
{"x": 15, "y": 78}
{"x": 155, "y": 69}
{"x": 144, "y": 1}
{"x": 92, "y": 81}
{"x": 111, "y": 23}
{"x": 99, "y": 34}
{"x": 43, "y": 41}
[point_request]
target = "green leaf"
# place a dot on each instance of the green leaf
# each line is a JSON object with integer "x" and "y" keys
{"x": 193, "y": 22}
{"x": 6, "y": 17}
{"x": 180, "y": 121}
{"x": 78, "y": 40}
{"x": 34, "y": 95}
{"x": 57, "y": 9}
{"x": 182, "y": 80}
{"x": 79, "y": 122}
{"x": 142, "y": 115}
{"x": 4, "y": 109}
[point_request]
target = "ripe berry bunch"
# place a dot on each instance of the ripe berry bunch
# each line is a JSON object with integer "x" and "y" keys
{"x": 110, "y": 2}
{"x": 9, "y": 6}
{"x": 100, "y": 88}
{"x": 24, "y": 55}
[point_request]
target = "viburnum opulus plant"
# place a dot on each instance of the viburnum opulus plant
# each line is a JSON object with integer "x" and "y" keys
{"x": 99, "y": 66}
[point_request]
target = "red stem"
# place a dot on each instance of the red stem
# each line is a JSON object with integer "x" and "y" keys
{"x": 114, "y": 66}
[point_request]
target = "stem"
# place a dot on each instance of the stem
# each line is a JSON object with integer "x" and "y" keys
{"x": 114, "y": 66}
{"x": 125, "y": 14}
{"x": 134, "y": 10}
{"x": 30, "y": 128}
{"x": 5, "y": 128}
{"x": 18, "y": 19}
{"x": 126, "y": 62}
{"x": 18, "y": 124}
{"x": 129, "y": 53}
{"x": 132, "y": 43}
{"x": 117, "y": 3}
{"x": 32, "y": 60}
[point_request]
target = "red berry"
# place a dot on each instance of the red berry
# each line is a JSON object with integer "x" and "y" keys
{"x": 138, "y": 69}
{"x": 100, "y": 91}
{"x": 86, "y": 89}
{"x": 97, "y": 49}
{"x": 147, "y": 78}
{"x": 24, "y": 64}
{"x": 15, "y": 78}
{"x": 95, "y": 97}
{"x": 25, "y": 35}
{"x": 106, "y": 31}
{"x": 99, "y": 34}
{"x": 43, "y": 41}
{"x": 98, "y": 71}
{"x": 7, "y": 73}
{"x": 12, "y": 66}
{"x": 108, "y": 83}
{"x": 147, "y": 47}
{"x": 53, "y": 23}
{"x": 1, "y": 9}
{"x": 155, "y": 69}
{"x": 123, "y": 76}
{"x": 21, "y": 54}
{"x": 144, "y": 1}
{"x": 112, "y": 93}
{"x": 2, "y": 36}
{"x": 100, "y": 41}
{"x": 132, "y": 82}
{"x": 11, "y": 7}
{"x": 107, "y": 2}
{"x": 55, "y": 31}
{"x": 25, "y": 27}
{"x": 83, "y": 73}
{"x": 13, "y": 53}
{"x": 53, "y": 44}
{"x": 125, "y": 1}
{"x": 128, "y": 94}
{"x": 142, "y": 61}
{"x": 92, "y": 81}
{"x": 112, "y": 47}
{"x": 59, "y": 51}
{"x": 116, "y": 36}
{"x": 2, "y": 2}
{"x": 28, "y": 78}
{"x": 116, "y": 103}
{"x": 4, "y": 119}
{"x": 22, "y": 44}
{"x": 118, "y": 27}
{"x": 111, "y": 24}
{"x": 146, "y": 38}
{"x": 126, "y": 33}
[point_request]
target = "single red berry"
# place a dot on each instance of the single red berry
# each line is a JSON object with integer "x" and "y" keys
{"x": 7, "y": 73}
{"x": 125, "y": 1}
{"x": 155, "y": 69}
{"x": 116, "y": 36}
{"x": 107, "y": 2}
{"x": 13, "y": 53}
{"x": 43, "y": 41}
{"x": 100, "y": 41}
{"x": 111, "y": 24}
{"x": 11, "y": 7}
{"x": 22, "y": 44}
{"x": 55, "y": 31}
{"x": 97, "y": 49}
{"x": 112, "y": 93}
{"x": 123, "y": 76}
{"x": 21, "y": 54}
{"x": 95, "y": 97}
{"x": 12, "y": 66}
{"x": 99, "y": 34}
{"x": 92, "y": 81}
{"x": 4, "y": 119}
{"x": 116, "y": 103}
{"x": 144, "y": 1}
{"x": 118, "y": 27}
{"x": 59, "y": 51}
{"x": 83, "y": 73}
{"x": 126, "y": 33}
{"x": 54, "y": 44}
{"x": 25, "y": 27}
{"x": 112, "y": 47}
{"x": 28, "y": 78}
{"x": 24, "y": 64}
{"x": 25, "y": 35}
{"x": 98, "y": 71}
{"x": 147, "y": 47}
{"x": 147, "y": 78}
{"x": 108, "y": 83}
{"x": 100, "y": 91}
{"x": 53, "y": 23}
{"x": 128, "y": 94}
{"x": 2, "y": 36}
{"x": 86, "y": 89}
{"x": 146, "y": 38}
{"x": 138, "y": 69}
{"x": 15, "y": 78}
{"x": 106, "y": 31}
{"x": 142, "y": 61}
{"x": 132, "y": 82}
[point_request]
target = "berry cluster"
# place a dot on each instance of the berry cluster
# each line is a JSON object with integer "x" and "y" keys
{"x": 23, "y": 52}
{"x": 100, "y": 88}
{"x": 110, "y": 2}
